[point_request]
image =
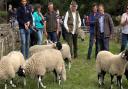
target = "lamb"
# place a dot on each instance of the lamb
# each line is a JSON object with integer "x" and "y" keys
{"x": 64, "y": 49}
{"x": 45, "y": 61}
{"x": 9, "y": 66}
{"x": 113, "y": 64}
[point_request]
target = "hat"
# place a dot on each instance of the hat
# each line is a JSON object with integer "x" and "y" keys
{"x": 73, "y": 3}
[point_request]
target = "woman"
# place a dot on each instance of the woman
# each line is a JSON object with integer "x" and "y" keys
{"x": 39, "y": 24}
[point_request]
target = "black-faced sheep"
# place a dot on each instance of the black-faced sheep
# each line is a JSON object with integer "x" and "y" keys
{"x": 113, "y": 64}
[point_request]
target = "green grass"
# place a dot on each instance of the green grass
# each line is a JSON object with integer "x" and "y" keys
{"x": 82, "y": 75}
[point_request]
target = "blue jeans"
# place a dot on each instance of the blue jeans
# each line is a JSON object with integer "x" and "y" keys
{"x": 25, "y": 39}
{"x": 103, "y": 42}
{"x": 52, "y": 36}
{"x": 40, "y": 36}
{"x": 91, "y": 42}
{"x": 124, "y": 41}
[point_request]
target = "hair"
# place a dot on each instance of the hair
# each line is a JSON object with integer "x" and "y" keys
{"x": 50, "y": 3}
{"x": 94, "y": 4}
{"x": 101, "y": 5}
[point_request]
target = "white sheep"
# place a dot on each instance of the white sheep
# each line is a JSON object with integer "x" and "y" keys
{"x": 113, "y": 64}
{"x": 45, "y": 61}
{"x": 9, "y": 66}
{"x": 64, "y": 49}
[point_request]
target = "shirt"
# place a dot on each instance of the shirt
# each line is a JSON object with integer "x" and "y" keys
{"x": 123, "y": 19}
{"x": 74, "y": 22}
{"x": 101, "y": 23}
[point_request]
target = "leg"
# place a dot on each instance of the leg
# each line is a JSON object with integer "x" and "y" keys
{"x": 97, "y": 47}
{"x": 69, "y": 65}
{"x": 75, "y": 45}
{"x": 90, "y": 45}
{"x": 23, "y": 40}
{"x": 39, "y": 35}
{"x": 24, "y": 81}
{"x": 11, "y": 83}
{"x": 123, "y": 42}
{"x": 54, "y": 37}
{"x": 101, "y": 42}
{"x": 106, "y": 44}
{"x": 27, "y": 43}
{"x": 40, "y": 83}
{"x": 119, "y": 80}
{"x": 55, "y": 75}
{"x": 5, "y": 86}
{"x": 59, "y": 78}
{"x": 111, "y": 81}
{"x": 70, "y": 43}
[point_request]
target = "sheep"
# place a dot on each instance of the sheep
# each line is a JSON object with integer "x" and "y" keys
{"x": 45, "y": 61}
{"x": 9, "y": 66}
{"x": 38, "y": 48}
{"x": 113, "y": 64}
{"x": 64, "y": 49}
{"x": 81, "y": 34}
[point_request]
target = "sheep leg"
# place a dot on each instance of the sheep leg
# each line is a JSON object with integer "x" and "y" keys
{"x": 12, "y": 84}
{"x": 119, "y": 78}
{"x": 40, "y": 82}
{"x": 24, "y": 82}
{"x": 59, "y": 78}
{"x": 111, "y": 81}
{"x": 55, "y": 75}
{"x": 5, "y": 86}
{"x": 100, "y": 79}
{"x": 69, "y": 66}
{"x": 103, "y": 74}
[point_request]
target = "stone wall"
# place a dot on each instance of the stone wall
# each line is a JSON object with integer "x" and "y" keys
{"x": 9, "y": 39}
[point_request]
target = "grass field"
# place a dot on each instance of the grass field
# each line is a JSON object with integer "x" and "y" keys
{"x": 82, "y": 75}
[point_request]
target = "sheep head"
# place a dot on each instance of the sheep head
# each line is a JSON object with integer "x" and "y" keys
{"x": 59, "y": 45}
{"x": 125, "y": 54}
{"x": 21, "y": 72}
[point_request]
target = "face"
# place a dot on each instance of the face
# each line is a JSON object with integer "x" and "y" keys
{"x": 95, "y": 9}
{"x": 21, "y": 72}
{"x": 50, "y": 7}
{"x": 74, "y": 8}
{"x": 39, "y": 9}
{"x": 101, "y": 9}
{"x": 127, "y": 10}
{"x": 24, "y": 2}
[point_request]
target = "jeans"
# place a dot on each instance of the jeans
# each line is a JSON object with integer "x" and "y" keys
{"x": 91, "y": 42}
{"x": 103, "y": 42}
{"x": 40, "y": 36}
{"x": 52, "y": 36}
{"x": 25, "y": 39}
{"x": 124, "y": 41}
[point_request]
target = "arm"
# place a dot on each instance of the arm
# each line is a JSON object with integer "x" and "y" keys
{"x": 65, "y": 22}
{"x": 123, "y": 21}
{"x": 111, "y": 25}
{"x": 79, "y": 25}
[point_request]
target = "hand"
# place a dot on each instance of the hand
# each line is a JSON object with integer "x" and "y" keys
{"x": 26, "y": 26}
{"x": 46, "y": 34}
{"x": 94, "y": 40}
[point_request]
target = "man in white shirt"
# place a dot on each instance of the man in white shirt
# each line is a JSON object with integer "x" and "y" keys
{"x": 124, "y": 23}
{"x": 72, "y": 23}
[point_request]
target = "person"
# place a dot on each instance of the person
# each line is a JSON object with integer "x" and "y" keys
{"x": 33, "y": 32}
{"x": 24, "y": 18}
{"x": 124, "y": 23}
{"x": 92, "y": 20}
{"x": 72, "y": 23}
{"x": 52, "y": 24}
{"x": 103, "y": 28}
{"x": 39, "y": 24}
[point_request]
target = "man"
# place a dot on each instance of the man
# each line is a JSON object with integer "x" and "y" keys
{"x": 52, "y": 23}
{"x": 103, "y": 28}
{"x": 92, "y": 20}
{"x": 72, "y": 23}
{"x": 24, "y": 18}
{"x": 124, "y": 23}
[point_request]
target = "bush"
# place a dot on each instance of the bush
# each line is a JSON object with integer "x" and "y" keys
{"x": 3, "y": 16}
